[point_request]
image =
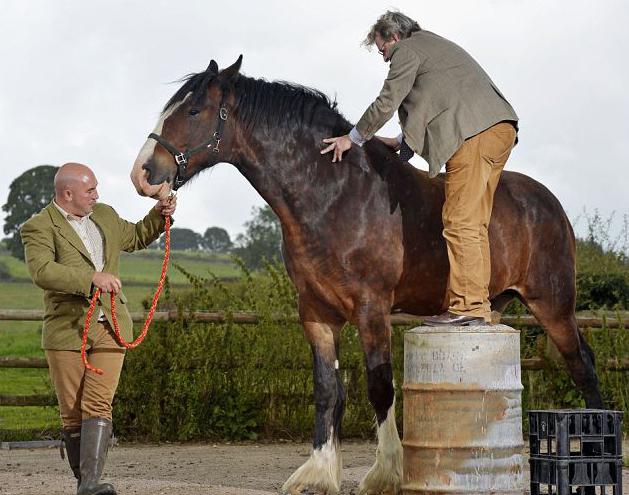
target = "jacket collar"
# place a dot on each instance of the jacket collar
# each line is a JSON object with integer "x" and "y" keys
{"x": 66, "y": 231}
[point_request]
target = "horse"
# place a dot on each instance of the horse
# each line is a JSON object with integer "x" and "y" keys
{"x": 361, "y": 239}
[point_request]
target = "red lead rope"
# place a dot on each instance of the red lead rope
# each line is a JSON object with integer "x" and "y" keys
{"x": 114, "y": 318}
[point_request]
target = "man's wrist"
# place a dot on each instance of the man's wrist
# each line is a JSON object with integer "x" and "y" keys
{"x": 355, "y": 137}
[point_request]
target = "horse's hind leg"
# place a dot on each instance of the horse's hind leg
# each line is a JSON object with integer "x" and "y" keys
{"x": 321, "y": 473}
{"x": 561, "y": 326}
{"x": 375, "y": 333}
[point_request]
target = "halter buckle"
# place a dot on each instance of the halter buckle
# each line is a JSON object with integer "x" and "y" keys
{"x": 180, "y": 158}
{"x": 217, "y": 138}
{"x": 222, "y": 113}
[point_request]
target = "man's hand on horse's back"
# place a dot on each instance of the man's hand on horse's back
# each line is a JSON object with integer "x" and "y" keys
{"x": 106, "y": 282}
{"x": 167, "y": 206}
{"x": 339, "y": 145}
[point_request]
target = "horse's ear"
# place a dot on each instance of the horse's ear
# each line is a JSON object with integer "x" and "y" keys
{"x": 213, "y": 67}
{"x": 231, "y": 71}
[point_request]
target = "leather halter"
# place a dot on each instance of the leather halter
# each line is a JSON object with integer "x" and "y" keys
{"x": 181, "y": 157}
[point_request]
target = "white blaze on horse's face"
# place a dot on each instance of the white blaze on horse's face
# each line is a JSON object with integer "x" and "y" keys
{"x": 138, "y": 174}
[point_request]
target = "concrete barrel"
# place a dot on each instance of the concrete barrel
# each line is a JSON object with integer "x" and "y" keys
{"x": 462, "y": 411}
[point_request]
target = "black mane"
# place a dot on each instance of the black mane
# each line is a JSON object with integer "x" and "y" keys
{"x": 286, "y": 105}
{"x": 195, "y": 83}
{"x": 271, "y": 104}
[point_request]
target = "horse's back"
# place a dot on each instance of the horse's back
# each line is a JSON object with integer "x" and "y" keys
{"x": 527, "y": 224}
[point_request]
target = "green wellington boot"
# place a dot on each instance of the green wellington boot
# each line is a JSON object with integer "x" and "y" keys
{"x": 72, "y": 442}
{"x": 95, "y": 435}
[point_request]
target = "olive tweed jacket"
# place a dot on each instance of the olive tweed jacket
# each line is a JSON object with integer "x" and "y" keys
{"x": 442, "y": 96}
{"x": 60, "y": 264}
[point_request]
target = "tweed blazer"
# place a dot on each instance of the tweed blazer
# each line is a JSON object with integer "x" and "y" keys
{"x": 442, "y": 95}
{"x": 59, "y": 263}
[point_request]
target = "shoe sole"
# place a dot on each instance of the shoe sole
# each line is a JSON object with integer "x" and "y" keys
{"x": 469, "y": 323}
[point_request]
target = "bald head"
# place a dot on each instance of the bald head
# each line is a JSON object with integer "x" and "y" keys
{"x": 75, "y": 188}
{"x": 71, "y": 174}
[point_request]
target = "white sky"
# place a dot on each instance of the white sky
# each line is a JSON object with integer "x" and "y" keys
{"x": 85, "y": 81}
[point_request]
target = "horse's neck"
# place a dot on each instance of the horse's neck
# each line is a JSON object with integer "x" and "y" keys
{"x": 300, "y": 189}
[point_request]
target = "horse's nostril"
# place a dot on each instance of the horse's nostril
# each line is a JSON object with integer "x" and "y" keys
{"x": 147, "y": 167}
{"x": 154, "y": 173}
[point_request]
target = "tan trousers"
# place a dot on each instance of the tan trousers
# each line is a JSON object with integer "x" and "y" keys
{"x": 472, "y": 176}
{"x": 83, "y": 394}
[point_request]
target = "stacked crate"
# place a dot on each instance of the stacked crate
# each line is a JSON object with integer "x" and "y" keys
{"x": 580, "y": 448}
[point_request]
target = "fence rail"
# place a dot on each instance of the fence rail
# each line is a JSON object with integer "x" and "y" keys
{"x": 246, "y": 318}
{"x": 529, "y": 364}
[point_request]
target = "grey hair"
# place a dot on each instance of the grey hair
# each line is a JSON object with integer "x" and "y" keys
{"x": 390, "y": 23}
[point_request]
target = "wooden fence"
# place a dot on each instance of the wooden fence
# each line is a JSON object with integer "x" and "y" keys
{"x": 245, "y": 318}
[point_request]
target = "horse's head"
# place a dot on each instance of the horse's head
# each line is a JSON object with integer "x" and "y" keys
{"x": 195, "y": 131}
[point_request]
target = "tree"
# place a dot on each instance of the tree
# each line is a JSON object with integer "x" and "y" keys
{"x": 182, "y": 239}
{"x": 217, "y": 240}
{"x": 261, "y": 239}
{"x": 28, "y": 194}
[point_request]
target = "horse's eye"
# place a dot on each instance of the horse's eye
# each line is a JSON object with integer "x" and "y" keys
{"x": 193, "y": 112}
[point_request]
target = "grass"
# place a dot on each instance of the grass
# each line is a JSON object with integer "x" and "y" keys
{"x": 23, "y": 338}
{"x": 139, "y": 273}
{"x": 34, "y": 422}
{"x": 144, "y": 267}
{"x": 26, "y": 422}
{"x": 16, "y": 267}
{"x": 20, "y": 339}
{"x": 24, "y": 381}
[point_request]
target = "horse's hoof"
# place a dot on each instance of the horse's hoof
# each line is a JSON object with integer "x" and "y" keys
{"x": 301, "y": 490}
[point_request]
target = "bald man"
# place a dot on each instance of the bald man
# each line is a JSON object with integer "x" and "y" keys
{"x": 73, "y": 247}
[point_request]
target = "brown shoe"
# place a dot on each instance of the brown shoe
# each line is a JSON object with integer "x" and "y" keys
{"x": 453, "y": 319}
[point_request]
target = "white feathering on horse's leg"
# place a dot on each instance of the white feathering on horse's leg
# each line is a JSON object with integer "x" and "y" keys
{"x": 320, "y": 473}
{"x": 385, "y": 475}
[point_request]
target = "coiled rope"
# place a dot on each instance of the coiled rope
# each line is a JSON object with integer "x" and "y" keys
{"x": 114, "y": 318}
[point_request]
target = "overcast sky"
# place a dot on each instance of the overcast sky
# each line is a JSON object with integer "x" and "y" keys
{"x": 85, "y": 81}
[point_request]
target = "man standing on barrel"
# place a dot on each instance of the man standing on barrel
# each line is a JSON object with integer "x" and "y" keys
{"x": 451, "y": 113}
{"x": 72, "y": 247}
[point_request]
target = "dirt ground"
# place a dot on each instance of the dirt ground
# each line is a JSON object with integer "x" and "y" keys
{"x": 190, "y": 469}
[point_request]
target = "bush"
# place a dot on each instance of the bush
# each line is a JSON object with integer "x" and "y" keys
{"x": 603, "y": 265}
{"x": 602, "y": 291}
{"x": 191, "y": 380}
{"x": 5, "y": 272}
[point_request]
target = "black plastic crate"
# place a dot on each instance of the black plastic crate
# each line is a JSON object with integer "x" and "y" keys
{"x": 585, "y": 476}
{"x": 575, "y": 433}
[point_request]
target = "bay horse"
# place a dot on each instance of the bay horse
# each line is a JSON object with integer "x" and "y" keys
{"x": 361, "y": 239}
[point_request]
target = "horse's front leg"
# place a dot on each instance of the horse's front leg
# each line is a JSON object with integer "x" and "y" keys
{"x": 385, "y": 475}
{"x": 321, "y": 473}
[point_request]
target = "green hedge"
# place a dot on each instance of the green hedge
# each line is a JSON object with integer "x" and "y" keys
{"x": 200, "y": 381}
{"x": 602, "y": 290}
{"x": 5, "y": 272}
{"x": 194, "y": 380}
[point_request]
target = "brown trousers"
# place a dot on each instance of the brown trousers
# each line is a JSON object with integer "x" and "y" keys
{"x": 471, "y": 179}
{"x": 83, "y": 394}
